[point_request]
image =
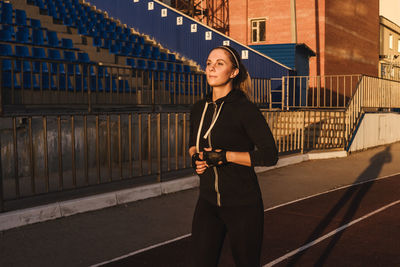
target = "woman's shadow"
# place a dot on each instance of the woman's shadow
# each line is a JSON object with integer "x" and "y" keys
{"x": 352, "y": 199}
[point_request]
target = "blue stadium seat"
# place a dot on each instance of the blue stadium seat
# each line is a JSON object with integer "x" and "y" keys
{"x": 9, "y": 78}
{"x": 163, "y": 56}
{"x": 35, "y": 23}
{"x": 131, "y": 62}
{"x": 112, "y": 35}
{"x": 137, "y": 50}
{"x": 39, "y": 3}
{"x": 133, "y": 38}
{"x": 71, "y": 68}
{"x": 97, "y": 41}
{"x": 52, "y": 39}
{"x": 6, "y": 34}
{"x": 146, "y": 52}
{"x": 151, "y": 65}
{"x": 37, "y": 37}
{"x": 155, "y": 53}
{"x": 24, "y": 67}
{"x": 6, "y": 50}
{"x": 170, "y": 67}
{"x": 186, "y": 69}
{"x": 161, "y": 66}
{"x": 178, "y": 68}
{"x": 20, "y": 17}
{"x": 41, "y": 68}
{"x": 141, "y": 64}
{"x": 106, "y": 44}
{"x": 140, "y": 40}
{"x": 6, "y": 13}
{"x": 55, "y": 67}
{"x": 22, "y": 35}
{"x": 66, "y": 43}
{"x": 115, "y": 48}
{"x": 68, "y": 21}
{"x": 82, "y": 30}
{"x": 83, "y": 57}
{"x": 171, "y": 57}
{"x": 126, "y": 49}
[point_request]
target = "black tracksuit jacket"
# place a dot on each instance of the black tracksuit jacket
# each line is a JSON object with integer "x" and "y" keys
{"x": 239, "y": 127}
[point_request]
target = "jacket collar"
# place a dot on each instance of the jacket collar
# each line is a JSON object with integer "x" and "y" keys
{"x": 233, "y": 95}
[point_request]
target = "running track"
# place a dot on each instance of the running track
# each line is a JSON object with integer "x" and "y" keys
{"x": 358, "y": 225}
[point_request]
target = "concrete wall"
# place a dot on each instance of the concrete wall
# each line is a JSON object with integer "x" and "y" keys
{"x": 375, "y": 130}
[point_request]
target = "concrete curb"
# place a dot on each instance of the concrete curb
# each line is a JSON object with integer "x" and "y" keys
{"x": 13, "y": 219}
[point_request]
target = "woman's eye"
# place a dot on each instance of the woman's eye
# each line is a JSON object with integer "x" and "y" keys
{"x": 220, "y": 63}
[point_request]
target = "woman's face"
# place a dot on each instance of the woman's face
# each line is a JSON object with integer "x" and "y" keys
{"x": 220, "y": 69}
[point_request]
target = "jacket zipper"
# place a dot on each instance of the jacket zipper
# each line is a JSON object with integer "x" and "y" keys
{"x": 216, "y": 187}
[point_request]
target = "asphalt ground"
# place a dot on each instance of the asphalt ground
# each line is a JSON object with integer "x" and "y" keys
{"x": 353, "y": 226}
{"x": 298, "y": 212}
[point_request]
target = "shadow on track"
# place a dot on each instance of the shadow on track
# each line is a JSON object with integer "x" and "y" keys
{"x": 351, "y": 198}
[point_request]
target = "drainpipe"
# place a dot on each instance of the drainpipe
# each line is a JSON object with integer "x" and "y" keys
{"x": 293, "y": 21}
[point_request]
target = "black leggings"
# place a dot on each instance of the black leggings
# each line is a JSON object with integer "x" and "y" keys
{"x": 243, "y": 224}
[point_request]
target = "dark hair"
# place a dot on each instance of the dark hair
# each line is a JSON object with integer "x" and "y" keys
{"x": 242, "y": 81}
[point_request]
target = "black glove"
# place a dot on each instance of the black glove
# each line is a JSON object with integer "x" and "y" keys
{"x": 214, "y": 158}
{"x": 195, "y": 157}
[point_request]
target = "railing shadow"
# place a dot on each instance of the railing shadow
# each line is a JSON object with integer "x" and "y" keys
{"x": 351, "y": 199}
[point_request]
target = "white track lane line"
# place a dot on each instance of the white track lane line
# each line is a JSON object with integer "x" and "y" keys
{"x": 268, "y": 209}
{"x": 316, "y": 241}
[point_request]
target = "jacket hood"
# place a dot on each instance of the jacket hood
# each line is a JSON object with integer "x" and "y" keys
{"x": 232, "y": 96}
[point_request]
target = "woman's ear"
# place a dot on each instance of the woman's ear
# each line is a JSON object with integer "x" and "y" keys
{"x": 234, "y": 73}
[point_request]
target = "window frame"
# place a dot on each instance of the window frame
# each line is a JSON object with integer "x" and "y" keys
{"x": 257, "y": 29}
{"x": 390, "y": 41}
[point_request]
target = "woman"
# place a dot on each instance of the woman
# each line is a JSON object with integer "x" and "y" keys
{"x": 225, "y": 128}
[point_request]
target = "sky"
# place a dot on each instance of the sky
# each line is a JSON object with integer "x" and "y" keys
{"x": 390, "y": 9}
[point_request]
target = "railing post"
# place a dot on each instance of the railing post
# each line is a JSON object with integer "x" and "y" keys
{"x": 270, "y": 93}
{"x": 89, "y": 88}
{"x": 302, "y": 131}
{"x": 318, "y": 91}
{"x": 283, "y": 93}
{"x": 159, "y": 158}
{"x": 152, "y": 89}
{"x": 1, "y": 181}
{"x": 1, "y": 89}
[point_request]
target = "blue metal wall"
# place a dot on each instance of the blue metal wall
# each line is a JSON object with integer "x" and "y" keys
{"x": 179, "y": 38}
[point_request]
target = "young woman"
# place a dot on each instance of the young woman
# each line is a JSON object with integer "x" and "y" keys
{"x": 228, "y": 137}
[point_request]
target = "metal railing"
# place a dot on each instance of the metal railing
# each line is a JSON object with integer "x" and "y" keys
{"x": 329, "y": 91}
{"x": 375, "y": 94}
{"x": 305, "y": 130}
{"x": 89, "y": 85}
{"x": 41, "y": 153}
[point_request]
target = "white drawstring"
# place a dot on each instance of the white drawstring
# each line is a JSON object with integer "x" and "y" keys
{"x": 213, "y": 122}
{"x": 200, "y": 126}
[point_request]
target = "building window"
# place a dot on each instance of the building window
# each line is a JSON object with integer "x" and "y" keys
{"x": 258, "y": 30}
{"x": 398, "y": 45}
{"x": 391, "y": 41}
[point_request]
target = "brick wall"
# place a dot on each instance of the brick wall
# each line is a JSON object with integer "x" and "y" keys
{"x": 348, "y": 31}
{"x": 352, "y": 37}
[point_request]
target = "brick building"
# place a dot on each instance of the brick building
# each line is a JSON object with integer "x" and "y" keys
{"x": 343, "y": 33}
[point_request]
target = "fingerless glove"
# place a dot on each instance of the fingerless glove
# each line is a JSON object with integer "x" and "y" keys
{"x": 214, "y": 158}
